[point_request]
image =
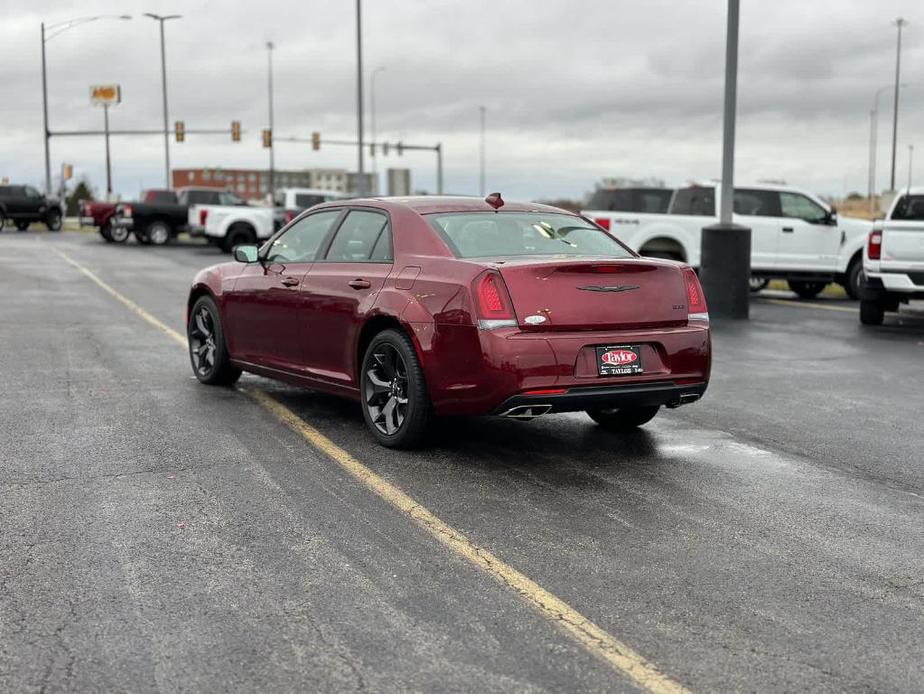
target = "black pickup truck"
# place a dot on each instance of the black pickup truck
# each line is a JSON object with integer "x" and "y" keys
{"x": 160, "y": 221}
{"x": 22, "y": 205}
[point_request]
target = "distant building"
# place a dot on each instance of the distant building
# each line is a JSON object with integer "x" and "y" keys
{"x": 253, "y": 184}
{"x": 399, "y": 181}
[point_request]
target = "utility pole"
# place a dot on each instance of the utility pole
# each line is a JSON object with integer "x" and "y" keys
{"x": 375, "y": 159}
{"x": 910, "y": 159}
{"x": 725, "y": 261}
{"x": 361, "y": 177}
{"x": 108, "y": 161}
{"x": 163, "y": 72}
{"x": 439, "y": 168}
{"x": 899, "y": 23}
{"x": 481, "y": 110}
{"x": 272, "y": 156}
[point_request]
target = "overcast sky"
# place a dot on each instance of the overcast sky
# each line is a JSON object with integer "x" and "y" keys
{"x": 574, "y": 91}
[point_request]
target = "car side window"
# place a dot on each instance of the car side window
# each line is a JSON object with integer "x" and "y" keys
{"x": 32, "y": 192}
{"x": 301, "y": 241}
{"x": 757, "y": 203}
{"x": 357, "y": 236}
{"x": 382, "y": 251}
{"x": 800, "y": 207}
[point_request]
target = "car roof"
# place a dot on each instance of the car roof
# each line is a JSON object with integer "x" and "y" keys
{"x": 430, "y": 204}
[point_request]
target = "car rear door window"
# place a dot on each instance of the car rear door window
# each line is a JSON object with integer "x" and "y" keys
{"x": 301, "y": 241}
{"x": 357, "y": 236}
{"x": 694, "y": 201}
{"x": 757, "y": 203}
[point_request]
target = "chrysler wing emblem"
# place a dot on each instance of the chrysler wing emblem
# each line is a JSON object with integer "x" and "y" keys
{"x": 611, "y": 288}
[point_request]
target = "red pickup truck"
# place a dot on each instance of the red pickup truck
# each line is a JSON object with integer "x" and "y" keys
{"x": 99, "y": 214}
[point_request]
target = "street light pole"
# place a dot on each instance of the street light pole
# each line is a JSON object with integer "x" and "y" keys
{"x": 163, "y": 70}
{"x": 910, "y": 158}
{"x": 361, "y": 178}
{"x": 725, "y": 258}
{"x": 108, "y": 162}
{"x": 380, "y": 68}
{"x": 272, "y": 156}
{"x": 481, "y": 111}
{"x": 899, "y": 23}
{"x": 54, "y": 30}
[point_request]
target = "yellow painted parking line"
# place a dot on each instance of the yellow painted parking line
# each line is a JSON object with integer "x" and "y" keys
{"x": 805, "y": 304}
{"x": 596, "y": 640}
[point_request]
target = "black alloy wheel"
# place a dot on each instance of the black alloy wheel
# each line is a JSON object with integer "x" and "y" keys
{"x": 207, "y": 350}
{"x": 396, "y": 404}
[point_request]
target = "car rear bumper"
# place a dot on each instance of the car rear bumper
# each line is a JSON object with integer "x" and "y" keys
{"x": 877, "y": 285}
{"x": 479, "y": 372}
{"x": 528, "y": 405}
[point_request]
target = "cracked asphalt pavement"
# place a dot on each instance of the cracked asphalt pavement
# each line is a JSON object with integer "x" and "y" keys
{"x": 161, "y": 536}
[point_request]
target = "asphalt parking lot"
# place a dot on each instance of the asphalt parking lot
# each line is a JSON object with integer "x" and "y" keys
{"x": 159, "y": 535}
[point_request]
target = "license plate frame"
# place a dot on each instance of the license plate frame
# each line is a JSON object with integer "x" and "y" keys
{"x": 620, "y": 365}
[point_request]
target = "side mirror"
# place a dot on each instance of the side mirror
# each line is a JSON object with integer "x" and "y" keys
{"x": 831, "y": 218}
{"x": 246, "y": 254}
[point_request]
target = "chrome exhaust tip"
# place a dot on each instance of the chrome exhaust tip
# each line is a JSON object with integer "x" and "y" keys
{"x": 684, "y": 399}
{"x": 526, "y": 411}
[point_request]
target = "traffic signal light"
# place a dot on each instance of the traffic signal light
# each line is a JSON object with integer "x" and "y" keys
{"x": 267, "y": 137}
{"x": 180, "y": 129}
{"x": 235, "y": 131}
{"x": 315, "y": 141}
{"x": 400, "y": 148}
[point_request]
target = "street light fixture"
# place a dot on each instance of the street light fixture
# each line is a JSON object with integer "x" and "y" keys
{"x": 48, "y": 33}
{"x": 163, "y": 70}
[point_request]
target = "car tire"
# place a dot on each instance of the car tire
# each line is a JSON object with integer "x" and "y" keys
{"x": 118, "y": 234}
{"x": 157, "y": 233}
{"x": 623, "y": 419}
{"x": 391, "y": 373}
{"x": 239, "y": 235}
{"x": 2, "y": 221}
{"x": 806, "y": 290}
{"x": 208, "y": 352}
{"x": 757, "y": 284}
{"x": 105, "y": 230}
{"x": 853, "y": 278}
{"x": 22, "y": 226}
{"x": 871, "y": 312}
{"x": 53, "y": 220}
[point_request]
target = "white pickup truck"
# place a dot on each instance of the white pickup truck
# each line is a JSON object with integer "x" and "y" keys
{"x": 794, "y": 235}
{"x": 228, "y": 226}
{"x": 893, "y": 260}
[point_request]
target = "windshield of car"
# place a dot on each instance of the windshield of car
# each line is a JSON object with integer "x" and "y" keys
{"x": 490, "y": 234}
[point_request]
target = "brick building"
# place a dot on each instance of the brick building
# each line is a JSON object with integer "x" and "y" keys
{"x": 253, "y": 184}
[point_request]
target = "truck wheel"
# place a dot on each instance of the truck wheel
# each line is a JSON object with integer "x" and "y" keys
{"x": 871, "y": 312}
{"x": 806, "y": 290}
{"x": 105, "y": 230}
{"x": 118, "y": 234}
{"x": 853, "y": 278}
{"x": 53, "y": 220}
{"x": 624, "y": 419}
{"x": 239, "y": 235}
{"x": 157, "y": 233}
{"x": 757, "y": 284}
{"x": 22, "y": 226}
{"x": 2, "y": 220}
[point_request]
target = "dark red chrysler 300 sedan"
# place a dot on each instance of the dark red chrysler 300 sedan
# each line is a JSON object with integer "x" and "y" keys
{"x": 455, "y": 306}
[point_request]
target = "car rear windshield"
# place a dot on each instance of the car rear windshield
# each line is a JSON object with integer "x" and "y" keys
{"x": 499, "y": 234}
{"x": 694, "y": 201}
{"x": 909, "y": 207}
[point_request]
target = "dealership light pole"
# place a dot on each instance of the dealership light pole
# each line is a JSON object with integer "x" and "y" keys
{"x": 725, "y": 259}
{"x": 360, "y": 178}
{"x": 48, "y": 33}
{"x": 380, "y": 68}
{"x": 481, "y": 112}
{"x": 163, "y": 72}
{"x": 910, "y": 159}
{"x": 899, "y": 23}
{"x": 874, "y": 141}
{"x": 272, "y": 156}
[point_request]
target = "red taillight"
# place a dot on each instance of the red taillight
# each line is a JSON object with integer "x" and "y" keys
{"x": 492, "y": 301}
{"x": 603, "y": 222}
{"x": 126, "y": 210}
{"x": 203, "y": 215}
{"x": 696, "y": 300}
{"x": 290, "y": 215}
{"x": 874, "y": 245}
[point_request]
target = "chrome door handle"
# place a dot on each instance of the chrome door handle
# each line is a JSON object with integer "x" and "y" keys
{"x": 787, "y": 230}
{"x": 360, "y": 284}
{"x": 289, "y": 281}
